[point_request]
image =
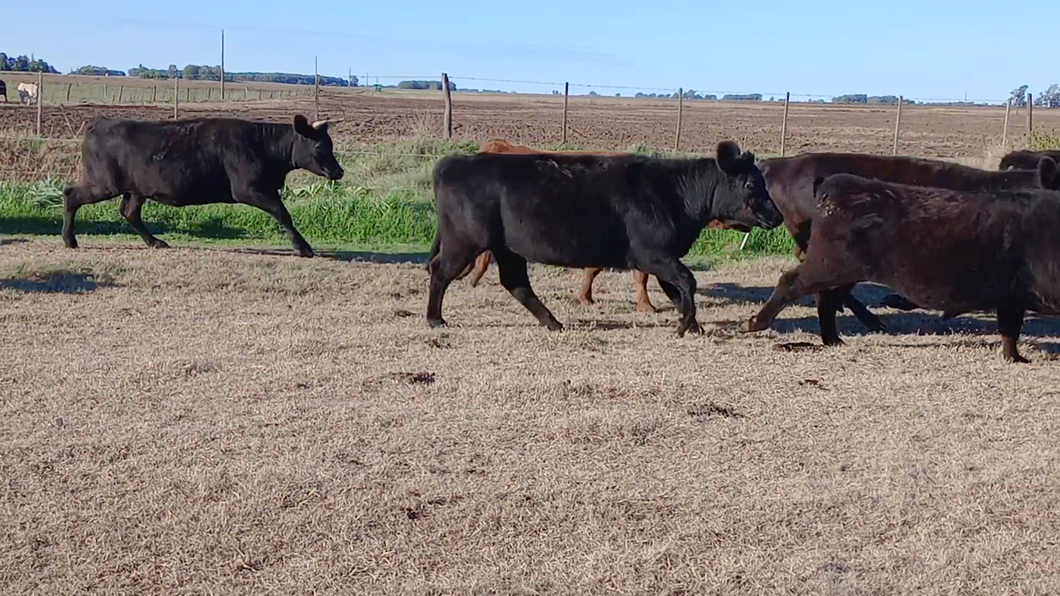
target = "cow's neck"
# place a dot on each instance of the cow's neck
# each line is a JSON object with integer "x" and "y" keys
{"x": 281, "y": 139}
{"x": 699, "y": 190}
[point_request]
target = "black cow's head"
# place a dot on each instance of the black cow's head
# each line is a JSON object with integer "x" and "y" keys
{"x": 741, "y": 200}
{"x": 1048, "y": 175}
{"x": 313, "y": 150}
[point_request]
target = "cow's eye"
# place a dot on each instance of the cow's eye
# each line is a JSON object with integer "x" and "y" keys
{"x": 750, "y": 185}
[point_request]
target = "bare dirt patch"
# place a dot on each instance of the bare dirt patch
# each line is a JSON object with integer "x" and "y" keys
{"x": 209, "y": 421}
{"x": 598, "y": 122}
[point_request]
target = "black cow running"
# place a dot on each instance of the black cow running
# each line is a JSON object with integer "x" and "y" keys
{"x": 195, "y": 162}
{"x": 624, "y": 212}
{"x": 1026, "y": 160}
{"x": 948, "y": 250}
{"x": 790, "y": 182}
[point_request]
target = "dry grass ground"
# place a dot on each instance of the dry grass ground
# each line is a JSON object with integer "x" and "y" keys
{"x": 205, "y": 421}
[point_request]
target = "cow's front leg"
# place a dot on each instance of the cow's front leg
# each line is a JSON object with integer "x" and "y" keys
{"x": 679, "y": 285}
{"x": 270, "y": 202}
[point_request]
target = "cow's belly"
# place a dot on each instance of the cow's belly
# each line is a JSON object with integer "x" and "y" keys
{"x": 569, "y": 246}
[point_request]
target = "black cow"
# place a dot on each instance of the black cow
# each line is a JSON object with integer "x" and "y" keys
{"x": 948, "y": 250}
{"x": 3, "y": 90}
{"x": 624, "y": 212}
{"x": 1026, "y": 160}
{"x": 195, "y": 162}
{"x": 790, "y": 182}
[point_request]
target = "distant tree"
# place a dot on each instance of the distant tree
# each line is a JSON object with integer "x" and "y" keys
{"x": 354, "y": 81}
{"x": 25, "y": 64}
{"x": 429, "y": 85}
{"x": 593, "y": 93}
{"x": 1019, "y": 96}
{"x": 98, "y": 71}
{"x": 852, "y": 98}
{"x": 1050, "y": 98}
{"x": 742, "y": 97}
{"x": 618, "y": 95}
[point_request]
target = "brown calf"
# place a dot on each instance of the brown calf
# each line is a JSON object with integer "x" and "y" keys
{"x": 585, "y": 293}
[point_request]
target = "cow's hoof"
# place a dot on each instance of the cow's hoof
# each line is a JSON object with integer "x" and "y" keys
{"x": 692, "y": 327}
{"x": 554, "y": 326}
{"x": 585, "y": 300}
{"x": 750, "y": 325}
{"x": 439, "y": 322}
{"x": 832, "y": 341}
{"x": 305, "y": 252}
{"x": 874, "y": 325}
{"x": 71, "y": 244}
{"x": 156, "y": 243}
{"x": 646, "y": 307}
{"x": 1016, "y": 359}
{"x": 898, "y": 302}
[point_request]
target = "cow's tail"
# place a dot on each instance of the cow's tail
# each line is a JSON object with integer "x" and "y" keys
{"x": 436, "y": 247}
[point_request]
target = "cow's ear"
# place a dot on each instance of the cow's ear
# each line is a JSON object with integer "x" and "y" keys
{"x": 1048, "y": 175}
{"x": 728, "y": 156}
{"x": 301, "y": 126}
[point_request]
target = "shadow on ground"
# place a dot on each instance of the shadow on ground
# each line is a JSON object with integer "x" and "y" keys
{"x": 210, "y": 228}
{"x": 57, "y": 282}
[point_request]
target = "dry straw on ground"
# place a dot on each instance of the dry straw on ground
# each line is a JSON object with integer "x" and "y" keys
{"x": 207, "y": 421}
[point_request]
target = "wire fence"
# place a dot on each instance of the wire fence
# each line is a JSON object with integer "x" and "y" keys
{"x": 54, "y": 90}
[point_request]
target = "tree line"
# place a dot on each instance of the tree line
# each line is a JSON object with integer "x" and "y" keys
{"x": 24, "y": 64}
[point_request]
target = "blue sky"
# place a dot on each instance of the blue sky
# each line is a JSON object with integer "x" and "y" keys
{"x": 926, "y": 49}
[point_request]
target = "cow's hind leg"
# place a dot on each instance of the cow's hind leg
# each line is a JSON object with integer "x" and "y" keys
{"x": 516, "y": 279}
{"x": 444, "y": 268}
{"x": 860, "y": 311}
{"x": 585, "y": 292}
{"x": 671, "y": 272}
{"x": 270, "y": 203}
{"x": 827, "y": 306}
{"x": 640, "y": 281}
{"x": 1009, "y": 324}
{"x": 131, "y": 204}
{"x": 482, "y": 262}
{"x": 73, "y": 198}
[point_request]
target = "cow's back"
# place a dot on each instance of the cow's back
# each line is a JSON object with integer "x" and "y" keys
{"x": 955, "y": 251}
{"x": 178, "y": 162}
{"x": 572, "y": 210}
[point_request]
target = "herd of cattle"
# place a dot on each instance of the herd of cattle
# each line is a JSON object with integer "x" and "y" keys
{"x": 947, "y": 237}
{"x": 27, "y": 92}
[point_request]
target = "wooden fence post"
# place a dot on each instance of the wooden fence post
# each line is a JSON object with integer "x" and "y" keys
{"x": 1004, "y": 131}
{"x": 176, "y": 98}
{"x": 154, "y": 94}
{"x": 680, "y": 116}
{"x": 40, "y": 98}
{"x": 106, "y": 95}
{"x": 69, "y": 87}
{"x": 447, "y": 118}
{"x": 222, "y": 64}
{"x": 1030, "y": 113}
{"x": 316, "y": 91}
{"x": 566, "y": 97}
{"x": 121, "y": 92}
{"x": 897, "y": 125}
{"x": 784, "y": 126}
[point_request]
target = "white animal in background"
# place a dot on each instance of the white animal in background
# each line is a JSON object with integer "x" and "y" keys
{"x": 27, "y": 92}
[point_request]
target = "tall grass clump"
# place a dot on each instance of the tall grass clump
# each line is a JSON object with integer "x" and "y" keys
{"x": 385, "y": 198}
{"x": 1043, "y": 140}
